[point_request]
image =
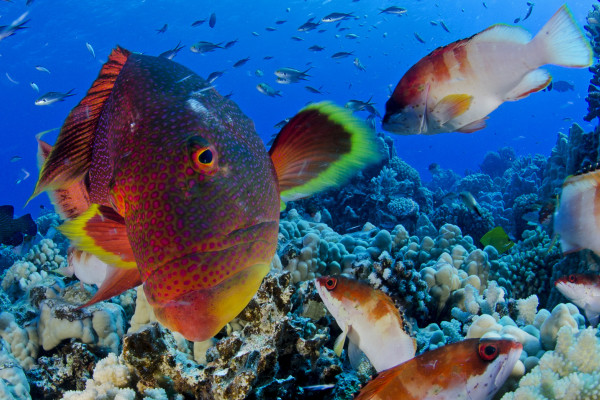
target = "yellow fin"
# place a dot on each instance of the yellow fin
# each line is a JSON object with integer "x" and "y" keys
{"x": 101, "y": 231}
{"x": 451, "y": 107}
{"x": 339, "y": 343}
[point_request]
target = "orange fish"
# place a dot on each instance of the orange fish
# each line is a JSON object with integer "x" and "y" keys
{"x": 455, "y": 87}
{"x": 473, "y": 369}
{"x": 370, "y": 320}
{"x": 166, "y": 181}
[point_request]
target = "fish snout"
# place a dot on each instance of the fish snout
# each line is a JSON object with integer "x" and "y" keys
{"x": 201, "y": 313}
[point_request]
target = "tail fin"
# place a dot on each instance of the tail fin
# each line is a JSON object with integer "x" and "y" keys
{"x": 562, "y": 42}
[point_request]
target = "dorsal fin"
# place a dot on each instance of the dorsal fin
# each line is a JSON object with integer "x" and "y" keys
{"x": 71, "y": 156}
{"x": 503, "y": 33}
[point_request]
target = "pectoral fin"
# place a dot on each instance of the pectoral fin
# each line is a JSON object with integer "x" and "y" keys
{"x": 319, "y": 148}
{"x": 339, "y": 342}
{"x": 451, "y": 107}
{"x": 101, "y": 231}
{"x": 355, "y": 355}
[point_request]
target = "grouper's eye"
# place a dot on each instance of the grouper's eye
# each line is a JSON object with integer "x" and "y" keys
{"x": 203, "y": 155}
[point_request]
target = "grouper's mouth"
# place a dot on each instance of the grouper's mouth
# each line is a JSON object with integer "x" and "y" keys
{"x": 198, "y": 293}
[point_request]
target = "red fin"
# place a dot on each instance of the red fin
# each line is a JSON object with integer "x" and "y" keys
{"x": 116, "y": 282}
{"x": 69, "y": 202}
{"x": 473, "y": 126}
{"x": 321, "y": 147}
{"x": 71, "y": 156}
{"x": 101, "y": 231}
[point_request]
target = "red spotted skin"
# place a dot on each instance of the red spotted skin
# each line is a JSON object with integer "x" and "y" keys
{"x": 191, "y": 230}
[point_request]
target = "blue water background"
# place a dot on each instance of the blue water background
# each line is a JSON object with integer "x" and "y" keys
{"x": 59, "y": 30}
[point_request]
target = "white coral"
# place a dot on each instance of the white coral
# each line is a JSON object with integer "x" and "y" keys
{"x": 109, "y": 382}
{"x": 21, "y": 342}
{"x": 571, "y": 371}
{"x": 13, "y": 382}
{"x": 527, "y": 309}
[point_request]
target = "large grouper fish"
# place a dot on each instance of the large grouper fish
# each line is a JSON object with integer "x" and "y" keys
{"x": 167, "y": 182}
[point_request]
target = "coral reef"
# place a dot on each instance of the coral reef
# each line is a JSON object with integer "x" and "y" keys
{"x": 571, "y": 371}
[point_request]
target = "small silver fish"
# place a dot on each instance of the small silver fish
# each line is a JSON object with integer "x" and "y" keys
{"x": 359, "y": 65}
{"x": 342, "y": 54}
{"x": 170, "y": 54}
{"x": 90, "y": 49}
{"x": 443, "y": 24}
{"x": 213, "y": 76}
{"x": 264, "y": 88}
{"x": 42, "y": 69}
{"x": 53, "y": 97}
{"x": 336, "y": 16}
{"x": 292, "y": 73}
{"x": 17, "y": 24}
{"x": 11, "y": 79}
{"x": 34, "y": 86}
{"x": 205, "y": 47}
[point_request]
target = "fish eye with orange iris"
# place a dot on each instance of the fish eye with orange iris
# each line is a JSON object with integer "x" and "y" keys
{"x": 488, "y": 352}
{"x": 330, "y": 283}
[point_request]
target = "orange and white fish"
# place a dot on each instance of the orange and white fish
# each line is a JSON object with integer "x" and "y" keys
{"x": 575, "y": 218}
{"x": 584, "y": 291}
{"x": 473, "y": 369}
{"x": 370, "y": 320}
{"x": 455, "y": 87}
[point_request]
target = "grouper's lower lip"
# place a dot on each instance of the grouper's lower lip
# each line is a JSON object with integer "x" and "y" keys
{"x": 198, "y": 293}
{"x": 200, "y": 314}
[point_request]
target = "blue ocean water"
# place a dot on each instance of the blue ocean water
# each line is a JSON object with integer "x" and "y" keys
{"x": 58, "y": 31}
